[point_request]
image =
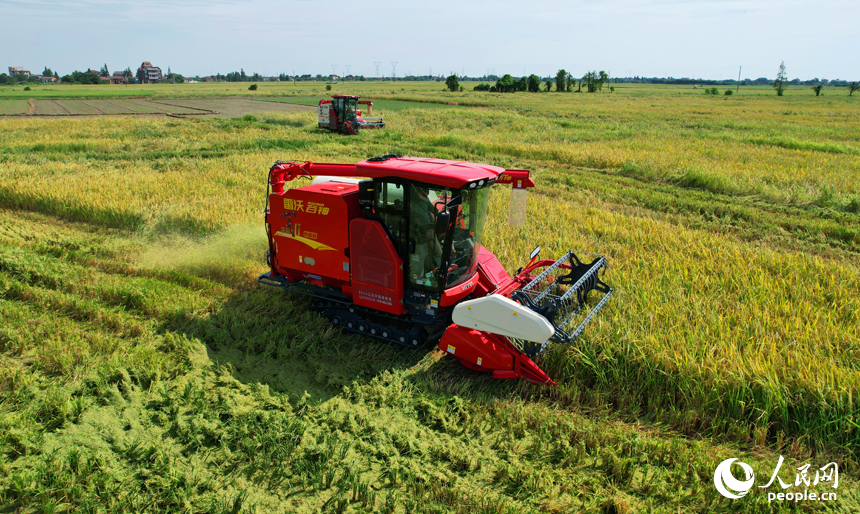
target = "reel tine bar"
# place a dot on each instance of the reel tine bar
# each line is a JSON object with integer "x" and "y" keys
{"x": 561, "y": 291}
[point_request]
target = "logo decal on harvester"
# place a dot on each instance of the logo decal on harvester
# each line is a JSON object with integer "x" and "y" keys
{"x": 310, "y": 242}
{"x": 727, "y": 484}
{"x": 311, "y": 208}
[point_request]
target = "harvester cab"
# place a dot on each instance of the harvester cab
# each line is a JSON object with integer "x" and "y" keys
{"x": 342, "y": 114}
{"x": 397, "y": 256}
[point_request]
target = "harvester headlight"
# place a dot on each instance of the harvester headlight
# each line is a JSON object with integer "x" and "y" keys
{"x": 472, "y": 185}
{"x": 481, "y": 183}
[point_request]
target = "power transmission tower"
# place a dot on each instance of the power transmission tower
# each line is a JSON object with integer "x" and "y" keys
{"x": 333, "y": 70}
{"x": 377, "y": 63}
{"x": 394, "y": 69}
{"x": 348, "y": 66}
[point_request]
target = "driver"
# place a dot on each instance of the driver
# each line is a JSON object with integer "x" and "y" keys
{"x": 422, "y": 228}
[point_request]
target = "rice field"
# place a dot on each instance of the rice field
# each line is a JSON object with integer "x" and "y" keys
{"x": 143, "y": 369}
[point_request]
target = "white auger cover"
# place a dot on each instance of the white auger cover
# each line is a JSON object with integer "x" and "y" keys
{"x": 499, "y": 315}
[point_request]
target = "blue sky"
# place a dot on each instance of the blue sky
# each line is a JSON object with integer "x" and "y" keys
{"x": 698, "y": 39}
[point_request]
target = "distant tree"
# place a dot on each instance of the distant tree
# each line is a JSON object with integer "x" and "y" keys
{"x": 522, "y": 84}
{"x": 534, "y": 83}
{"x": 560, "y": 80}
{"x": 548, "y": 85}
{"x": 594, "y": 81}
{"x": 128, "y": 75}
{"x": 174, "y": 78}
{"x": 328, "y": 87}
{"x": 452, "y": 83}
{"x": 506, "y": 84}
{"x": 481, "y": 87}
{"x": 252, "y": 87}
{"x": 56, "y": 75}
{"x": 104, "y": 71}
{"x": 82, "y": 77}
{"x": 47, "y": 72}
{"x": 729, "y": 92}
{"x": 781, "y": 81}
{"x": 817, "y": 89}
{"x": 853, "y": 86}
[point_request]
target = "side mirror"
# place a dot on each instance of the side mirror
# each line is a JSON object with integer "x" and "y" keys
{"x": 443, "y": 219}
{"x": 366, "y": 192}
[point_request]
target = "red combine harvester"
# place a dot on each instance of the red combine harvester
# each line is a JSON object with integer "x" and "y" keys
{"x": 398, "y": 257}
{"x": 341, "y": 113}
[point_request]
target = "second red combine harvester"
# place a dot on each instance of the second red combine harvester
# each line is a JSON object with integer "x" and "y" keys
{"x": 342, "y": 114}
{"x": 398, "y": 256}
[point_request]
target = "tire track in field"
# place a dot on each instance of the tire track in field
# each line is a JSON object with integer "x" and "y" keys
{"x": 205, "y": 111}
{"x": 63, "y": 107}
{"x": 120, "y": 107}
{"x": 93, "y": 106}
{"x": 145, "y": 106}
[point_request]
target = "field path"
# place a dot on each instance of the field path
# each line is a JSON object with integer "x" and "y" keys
{"x": 32, "y": 107}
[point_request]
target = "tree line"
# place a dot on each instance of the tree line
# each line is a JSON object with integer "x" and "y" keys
{"x": 564, "y": 83}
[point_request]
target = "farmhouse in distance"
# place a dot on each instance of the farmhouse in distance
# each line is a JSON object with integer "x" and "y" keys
{"x": 148, "y": 74}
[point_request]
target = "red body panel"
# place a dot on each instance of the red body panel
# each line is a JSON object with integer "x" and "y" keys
{"x": 310, "y": 232}
{"x": 455, "y": 294}
{"x": 475, "y": 349}
{"x": 487, "y": 352}
{"x": 377, "y": 270}
{"x": 442, "y": 172}
{"x": 491, "y": 273}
